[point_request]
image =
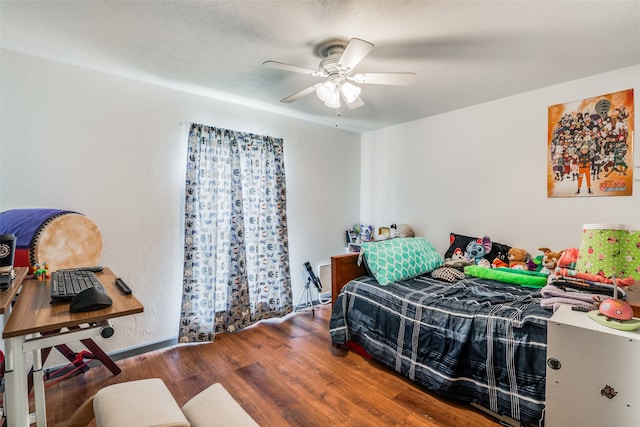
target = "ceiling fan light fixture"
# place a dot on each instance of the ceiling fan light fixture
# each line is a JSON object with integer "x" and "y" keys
{"x": 326, "y": 90}
{"x": 334, "y": 101}
{"x": 350, "y": 92}
{"x": 340, "y": 58}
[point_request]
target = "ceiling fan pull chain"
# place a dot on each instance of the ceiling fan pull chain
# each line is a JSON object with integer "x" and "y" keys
{"x": 337, "y": 116}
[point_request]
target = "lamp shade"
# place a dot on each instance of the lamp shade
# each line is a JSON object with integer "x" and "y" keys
{"x": 610, "y": 250}
{"x": 326, "y": 90}
{"x": 350, "y": 92}
{"x": 334, "y": 101}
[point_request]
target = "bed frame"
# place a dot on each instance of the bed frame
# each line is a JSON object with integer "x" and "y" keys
{"x": 345, "y": 268}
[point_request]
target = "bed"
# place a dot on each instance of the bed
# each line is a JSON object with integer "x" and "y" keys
{"x": 476, "y": 340}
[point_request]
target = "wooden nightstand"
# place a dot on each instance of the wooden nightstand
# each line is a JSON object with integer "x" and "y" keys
{"x": 343, "y": 269}
{"x": 592, "y": 373}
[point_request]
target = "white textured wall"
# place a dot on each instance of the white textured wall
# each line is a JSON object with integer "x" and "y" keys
{"x": 114, "y": 149}
{"x": 482, "y": 171}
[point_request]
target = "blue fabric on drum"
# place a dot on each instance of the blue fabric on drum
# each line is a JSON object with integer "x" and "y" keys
{"x": 25, "y": 223}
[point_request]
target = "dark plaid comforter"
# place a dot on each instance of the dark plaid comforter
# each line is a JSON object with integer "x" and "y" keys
{"x": 476, "y": 340}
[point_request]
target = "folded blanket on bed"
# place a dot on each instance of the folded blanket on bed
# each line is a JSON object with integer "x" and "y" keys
{"x": 587, "y": 286}
{"x": 530, "y": 279}
{"x": 553, "y": 297}
{"x": 566, "y": 272}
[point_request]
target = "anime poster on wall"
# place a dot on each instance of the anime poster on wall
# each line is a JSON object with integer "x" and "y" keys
{"x": 590, "y": 147}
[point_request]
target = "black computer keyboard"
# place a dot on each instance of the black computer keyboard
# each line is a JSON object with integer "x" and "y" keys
{"x": 65, "y": 284}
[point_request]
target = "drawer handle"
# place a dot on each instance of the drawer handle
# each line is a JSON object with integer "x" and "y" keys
{"x": 608, "y": 392}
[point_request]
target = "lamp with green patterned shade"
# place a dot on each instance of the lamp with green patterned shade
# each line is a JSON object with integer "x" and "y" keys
{"x": 612, "y": 251}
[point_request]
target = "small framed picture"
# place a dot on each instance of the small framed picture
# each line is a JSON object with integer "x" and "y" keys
{"x": 352, "y": 237}
{"x": 384, "y": 233}
{"x": 366, "y": 233}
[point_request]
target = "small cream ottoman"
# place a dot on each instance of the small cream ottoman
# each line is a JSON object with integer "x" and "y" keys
{"x": 148, "y": 403}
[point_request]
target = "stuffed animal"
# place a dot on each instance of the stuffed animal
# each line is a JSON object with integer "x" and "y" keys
{"x": 476, "y": 249}
{"x": 517, "y": 258}
{"x": 458, "y": 255}
{"x": 498, "y": 263}
{"x": 404, "y": 230}
{"x": 484, "y": 263}
{"x": 568, "y": 258}
{"x": 549, "y": 260}
{"x": 458, "y": 260}
{"x": 530, "y": 264}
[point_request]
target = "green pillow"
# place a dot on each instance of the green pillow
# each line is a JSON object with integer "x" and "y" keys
{"x": 400, "y": 259}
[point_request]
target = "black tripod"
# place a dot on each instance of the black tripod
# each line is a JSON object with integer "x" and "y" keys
{"x": 307, "y": 289}
{"x": 308, "y": 299}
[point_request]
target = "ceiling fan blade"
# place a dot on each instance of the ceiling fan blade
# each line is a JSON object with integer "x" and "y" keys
{"x": 298, "y": 95}
{"x": 355, "y": 104}
{"x": 355, "y": 52}
{"x": 296, "y": 69}
{"x": 397, "y": 79}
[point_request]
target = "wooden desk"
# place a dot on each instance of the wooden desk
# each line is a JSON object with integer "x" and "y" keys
{"x": 33, "y": 315}
{"x": 7, "y": 296}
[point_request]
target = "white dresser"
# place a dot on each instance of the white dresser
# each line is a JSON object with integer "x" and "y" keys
{"x": 593, "y": 373}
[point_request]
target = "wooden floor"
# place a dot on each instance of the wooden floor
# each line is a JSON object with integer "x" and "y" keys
{"x": 282, "y": 374}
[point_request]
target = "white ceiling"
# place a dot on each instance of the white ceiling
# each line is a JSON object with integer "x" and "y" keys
{"x": 463, "y": 52}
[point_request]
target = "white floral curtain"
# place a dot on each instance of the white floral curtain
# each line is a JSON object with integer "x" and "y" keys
{"x": 236, "y": 265}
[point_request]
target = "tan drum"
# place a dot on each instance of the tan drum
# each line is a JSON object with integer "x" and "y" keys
{"x": 66, "y": 241}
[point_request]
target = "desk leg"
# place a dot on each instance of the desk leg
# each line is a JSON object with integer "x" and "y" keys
{"x": 38, "y": 390}
{"x": 102, "y": 356}
{"x": 99, "y": 353}
{"x": 17, "y": 397}
{"x": 5, "y": 319}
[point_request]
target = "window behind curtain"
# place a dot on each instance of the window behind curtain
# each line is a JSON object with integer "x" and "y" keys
{"x": 236, "y": 269}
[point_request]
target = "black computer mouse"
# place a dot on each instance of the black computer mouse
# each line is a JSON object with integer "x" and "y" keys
{"x": 88, "y": 300}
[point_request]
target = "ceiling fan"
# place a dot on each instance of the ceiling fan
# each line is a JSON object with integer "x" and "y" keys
{"x": 339, "y": 60}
